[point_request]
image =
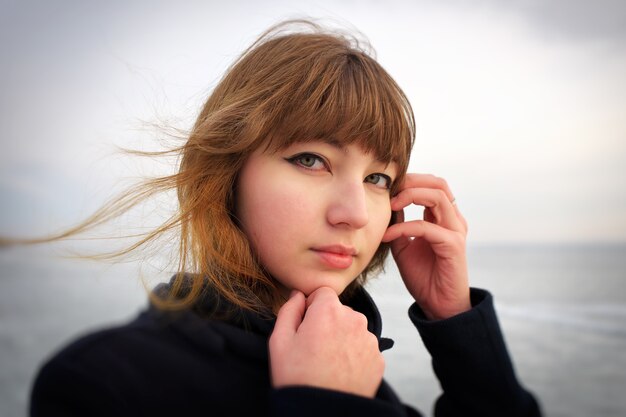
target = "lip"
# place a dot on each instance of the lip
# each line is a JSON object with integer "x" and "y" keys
{"x": 336, "y": 256}
{"x": 338, "y": 249}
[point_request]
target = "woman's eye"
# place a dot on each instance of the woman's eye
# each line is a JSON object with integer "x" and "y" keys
{"x": 308, "y": 161}
{"x": 379, "y": 180}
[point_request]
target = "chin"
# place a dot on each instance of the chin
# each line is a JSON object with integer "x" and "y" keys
{"x": 334, "y": 282}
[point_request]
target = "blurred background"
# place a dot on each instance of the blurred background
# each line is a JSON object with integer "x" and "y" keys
{"x": 520, "y": 105}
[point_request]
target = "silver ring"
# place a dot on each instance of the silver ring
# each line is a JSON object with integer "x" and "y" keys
{"x": 453, "y": 201}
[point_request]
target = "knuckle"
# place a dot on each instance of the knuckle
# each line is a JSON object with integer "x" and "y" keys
{"x": 323, "y": 296}
{"x": 354, "y": 319}
{"x": 326, "y": 290}
{"x": 330, "y": 310}
{"x": 372, "y": 344}
{"x": 442, "y": 183}
{"x": 458, "y": 240}
{"x": 327, "y": 294}
{"x": 441, "y": 195}
{"x": 360, "y": 320}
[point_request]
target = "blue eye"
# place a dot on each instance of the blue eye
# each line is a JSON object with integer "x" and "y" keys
{"x": 309, "y": 161}
{"x": 379, "y": 180}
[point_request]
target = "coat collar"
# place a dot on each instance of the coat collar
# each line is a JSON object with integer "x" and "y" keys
{"x": 216, "y": 323}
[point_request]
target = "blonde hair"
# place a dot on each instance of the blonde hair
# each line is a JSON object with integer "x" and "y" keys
{"x": 289, "y": 86}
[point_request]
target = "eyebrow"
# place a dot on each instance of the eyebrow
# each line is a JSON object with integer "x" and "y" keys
{"x": 337, "y": 144}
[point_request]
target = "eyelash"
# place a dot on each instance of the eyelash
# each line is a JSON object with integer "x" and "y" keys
{"x": 386, "y": 177}
{"x": 297, "y": 160}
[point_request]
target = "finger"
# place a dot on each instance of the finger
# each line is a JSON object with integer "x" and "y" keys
{"x": 290, "y": 315}
{"x": 413, "y": 180}
{"x": 429, "y": 217}
{"x": 399, "y": 243}
{"x": 322, "y": 294}
{"x": 435, "y": 200}
{"x": 430, "y": 232}
{"x": 455, "y": 204}
{"x": 432, "y": 181}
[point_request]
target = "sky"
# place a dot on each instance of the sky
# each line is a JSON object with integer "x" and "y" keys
{"x": 520, "y": 105}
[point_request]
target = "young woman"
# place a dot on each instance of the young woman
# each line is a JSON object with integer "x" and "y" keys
{"x": 291, "y": 190}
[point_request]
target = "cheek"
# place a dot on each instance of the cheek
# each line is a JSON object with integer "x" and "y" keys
{"x": 275, "y": 215}
{"x": 381, "y": 217}
{"x": 379, "y": 222}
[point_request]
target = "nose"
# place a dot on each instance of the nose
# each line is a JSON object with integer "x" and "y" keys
{"x": 348, "y": 205}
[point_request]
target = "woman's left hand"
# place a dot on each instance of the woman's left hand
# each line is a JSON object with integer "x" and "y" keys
{"x": 430, "y": 253}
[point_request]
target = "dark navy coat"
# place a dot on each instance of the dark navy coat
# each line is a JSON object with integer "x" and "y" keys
{"x": 191, "y": 364}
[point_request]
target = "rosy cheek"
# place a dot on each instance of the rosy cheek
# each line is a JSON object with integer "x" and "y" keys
{"x": 284, "y": 206}
{"x": 283, "y": 211}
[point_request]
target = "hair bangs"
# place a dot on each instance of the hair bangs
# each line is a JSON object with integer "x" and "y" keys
{"x": 345, "y": 99}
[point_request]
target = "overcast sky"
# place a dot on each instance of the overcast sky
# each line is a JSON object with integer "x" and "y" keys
{"x": 520, "y": 105}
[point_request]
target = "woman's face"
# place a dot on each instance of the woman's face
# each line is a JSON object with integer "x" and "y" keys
{"x": 315, "y": 212}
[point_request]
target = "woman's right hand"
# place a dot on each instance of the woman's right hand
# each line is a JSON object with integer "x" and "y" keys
{"x": 319, "y": 342}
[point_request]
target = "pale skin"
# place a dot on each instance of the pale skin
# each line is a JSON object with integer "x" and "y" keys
{"x": 319, "y": 342}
